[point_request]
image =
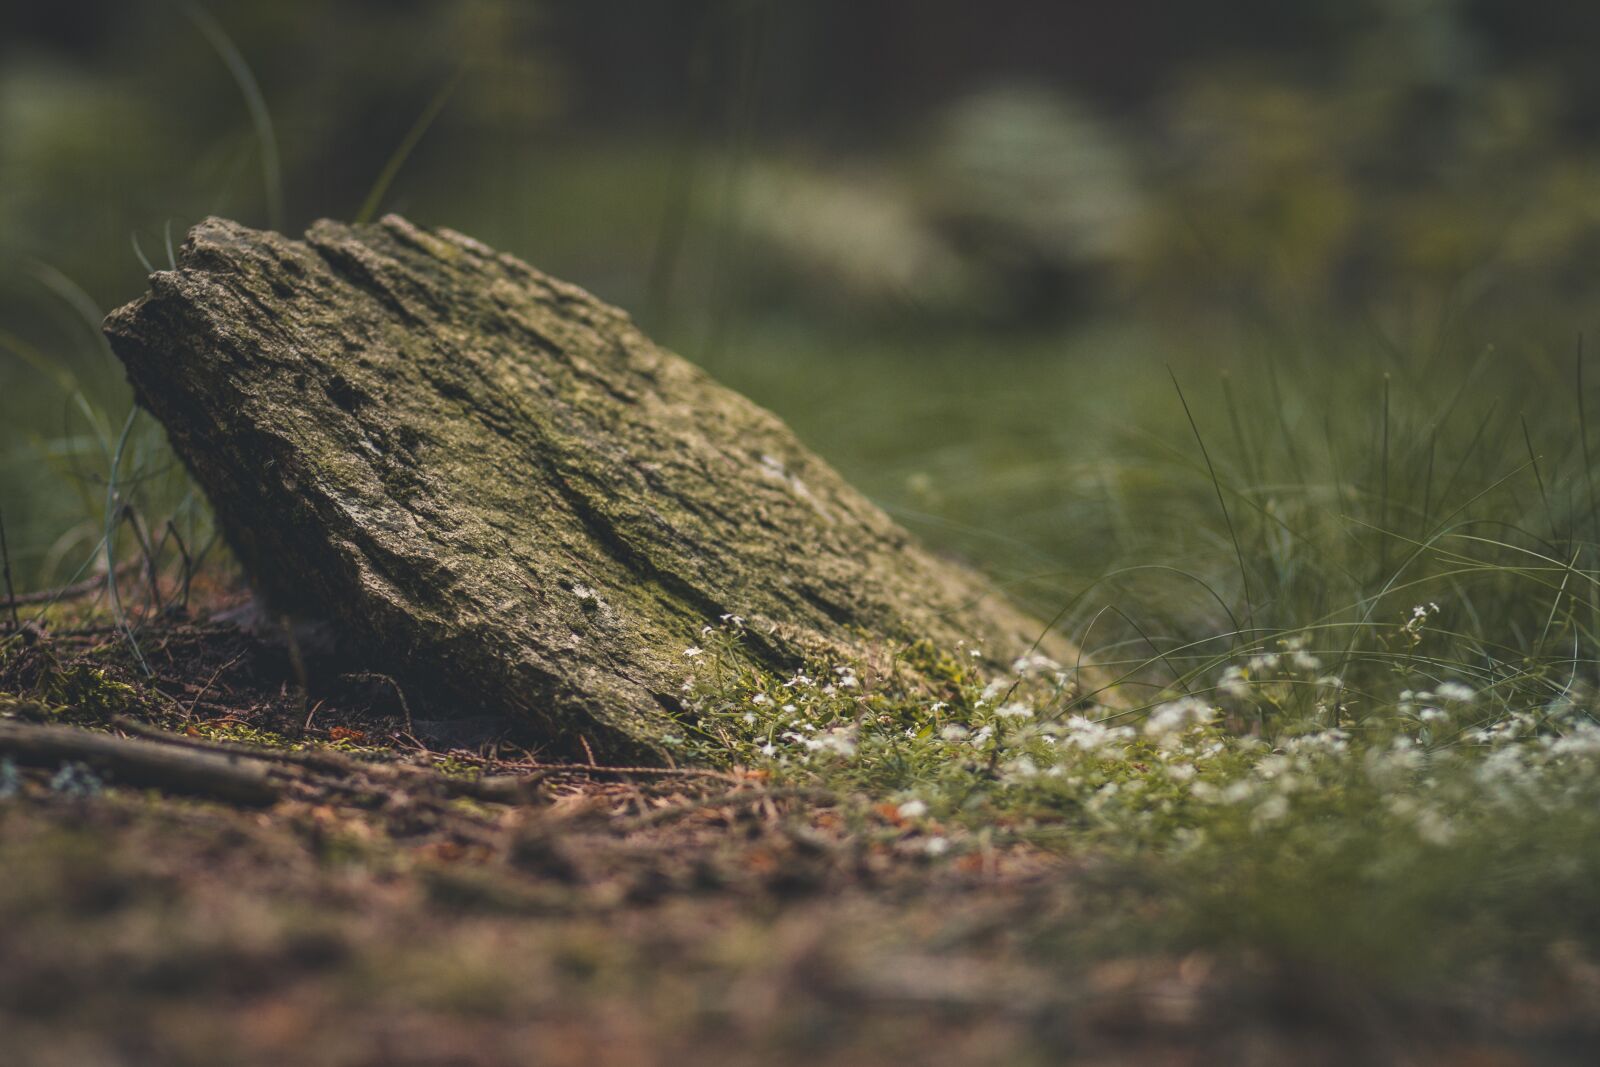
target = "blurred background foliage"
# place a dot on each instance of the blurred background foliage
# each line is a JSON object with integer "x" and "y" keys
{"x": 955, "y": 244}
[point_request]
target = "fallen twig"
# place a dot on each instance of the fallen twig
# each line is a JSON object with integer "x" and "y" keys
{"x": 226, "y": 776}
{"x": 494, "y": 788}
{"x": 318, "y": 759}
{"x": 600, "y": 768}
{"x": 189, "y": 713}
{"x": 400, "y": 694}
{"x": 5, "y": 561}
{"x": 498, "y": 788}
{"x": 736, "y": 799}
{"x": 71, "y": 592}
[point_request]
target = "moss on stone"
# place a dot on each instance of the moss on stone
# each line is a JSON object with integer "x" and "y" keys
{"x": 506, "y": 494}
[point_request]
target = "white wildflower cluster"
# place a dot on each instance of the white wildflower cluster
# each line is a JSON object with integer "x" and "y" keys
{"x": 1277, "y": 747}
{"x": 839, "y": 740}
{"x": 1170, "y": 721}
{"x": 1284, "y": 680}
{"x": 1095, "y": 736}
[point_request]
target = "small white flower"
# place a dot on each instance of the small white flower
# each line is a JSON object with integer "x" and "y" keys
{"x": 1435, "y": 828}
{"x": 839, "y": 740}
{"x": 953, "y": 732}
{"x": 761, "y": 698}
{"x": 1305, "y": 661}
{"x": 1014, "y": 710}
{"x": 1021, "y": 767}
{"x": 1461, "y": 694}
{"x": 1237, "y": 792}
{"x": 1034, "y": 663}
{"x": 1272, "y": 809}
{"x": 1172, "y": 718}
{"x": 692, "y": 651}
{"x": 913, "y": 809}
{"x": 1091, "y": 736}
{"x": 936, "y": 846}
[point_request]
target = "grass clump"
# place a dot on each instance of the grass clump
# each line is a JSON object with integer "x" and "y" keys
{"x": 1350, "y": 627}
{"x": 1435, "y": 831}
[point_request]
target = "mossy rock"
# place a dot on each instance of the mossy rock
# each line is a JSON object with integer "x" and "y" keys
{"x": 507, "y": 496}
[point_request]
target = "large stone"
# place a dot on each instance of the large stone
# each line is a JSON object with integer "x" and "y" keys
{"x": 506, "y": 495}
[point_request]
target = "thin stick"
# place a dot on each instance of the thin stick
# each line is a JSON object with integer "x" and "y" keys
{"x": 188, "y": 564}
{"x": 188, "y": 713}
{"x": 374, "y": 676}
{"x": 736, "y": 798}
{"x": 149, "y": 551}
{"x": 5, "y": 564}
{"x": 71, "y": 592}
{"x": 139, "y": 762}
{"x": 598, "y": 768}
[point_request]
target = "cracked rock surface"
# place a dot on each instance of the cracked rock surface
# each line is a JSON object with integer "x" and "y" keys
{"x": 503, "y": 493}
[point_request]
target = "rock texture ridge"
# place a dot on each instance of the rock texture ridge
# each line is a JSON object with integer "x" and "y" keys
{"x": 508, "y": 496}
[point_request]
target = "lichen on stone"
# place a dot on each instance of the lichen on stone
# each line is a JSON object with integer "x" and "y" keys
{"x": 508, "y": 496}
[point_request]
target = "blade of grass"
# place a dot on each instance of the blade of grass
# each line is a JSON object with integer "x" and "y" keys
{"x": 1538, "y": 478}
{"x": 1383, "y": 480}
{"x": 109, "y": 542}
{"x": 255, "y": 102}
{"x": 138, "y": 251}
{"x": 1216, "y": 483}
{"x": 1588, "y": 456}
{"x": 408, "y": 144}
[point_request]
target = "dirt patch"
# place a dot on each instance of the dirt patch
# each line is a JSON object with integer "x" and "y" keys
{"x": 391, "y": 906}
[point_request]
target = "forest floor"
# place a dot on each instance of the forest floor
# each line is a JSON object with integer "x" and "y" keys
{"x": 408, "y": 899}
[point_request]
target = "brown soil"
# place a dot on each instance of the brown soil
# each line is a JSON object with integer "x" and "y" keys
{"x": 376, "y": 915}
